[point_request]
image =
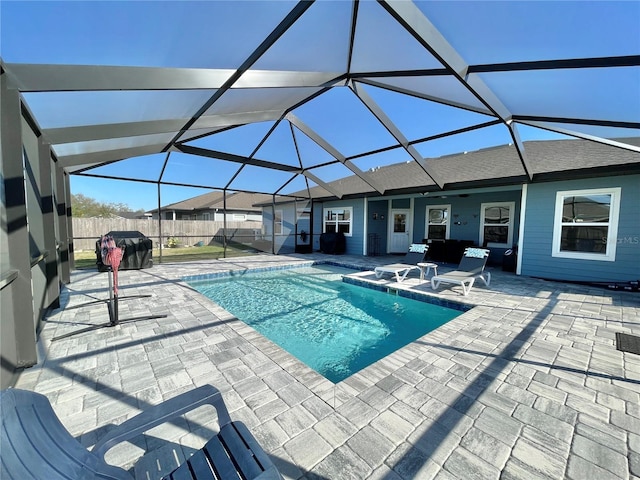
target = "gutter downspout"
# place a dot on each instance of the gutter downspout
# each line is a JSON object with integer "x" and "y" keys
{"x": 365, "y": 226}
{"x": 523, "y": 209}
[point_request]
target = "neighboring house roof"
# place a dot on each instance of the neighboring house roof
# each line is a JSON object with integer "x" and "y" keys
{"x": 548, "y": 160}
{"x": 215, "y": 201}
{"x": 131, "y": 215}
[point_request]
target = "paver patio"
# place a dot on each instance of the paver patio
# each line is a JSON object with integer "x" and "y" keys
{"x": 527, "y": 384}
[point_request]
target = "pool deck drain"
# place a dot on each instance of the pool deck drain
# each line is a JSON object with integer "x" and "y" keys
{"x": 527, "y": 384}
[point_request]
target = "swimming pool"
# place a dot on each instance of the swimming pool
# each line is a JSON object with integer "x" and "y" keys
{"x": 334, "y": 327}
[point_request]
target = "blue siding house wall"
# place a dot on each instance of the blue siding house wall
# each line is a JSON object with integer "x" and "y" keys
{"x": 537, "y": 244}
{"x": 466, "y": 216}
{"x": 377, "y": 226}
{"x": 465, "y": 220}
{"x": 354, "y": 242}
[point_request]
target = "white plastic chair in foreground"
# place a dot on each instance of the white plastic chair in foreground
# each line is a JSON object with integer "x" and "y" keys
{"x": 471, "y": 267}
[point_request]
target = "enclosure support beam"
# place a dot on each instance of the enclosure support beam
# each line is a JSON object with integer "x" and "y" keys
{"x": 48, "y": 222}
{"x": 64, "y": 241}
{"x": 18, "y": 336}
{"x": 224, "y": 220}
{"x": 69, "y": 215}
{"x": 159, "y": 226}
{"x": 159, "y": 183}
{"x": 273, "y": 225}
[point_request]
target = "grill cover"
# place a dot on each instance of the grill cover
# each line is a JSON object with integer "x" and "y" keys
{"x": 138, "y": 250}
{"x": 333, "y": 243}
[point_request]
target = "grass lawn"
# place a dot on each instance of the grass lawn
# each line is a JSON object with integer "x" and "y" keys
{"x": 87, "y": 259}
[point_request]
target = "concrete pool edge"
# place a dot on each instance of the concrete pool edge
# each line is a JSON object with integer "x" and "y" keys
{"x": 407, "y": 293}
{"x": 243, "y": 271}
{"x": 287, "y": 266}
{"x": 336, "y": 394}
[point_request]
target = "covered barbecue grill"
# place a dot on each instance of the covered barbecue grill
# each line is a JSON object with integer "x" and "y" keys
{"x": 138, "y": 251}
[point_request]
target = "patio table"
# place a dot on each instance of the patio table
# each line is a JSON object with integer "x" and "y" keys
{"x": 428, "y": 266}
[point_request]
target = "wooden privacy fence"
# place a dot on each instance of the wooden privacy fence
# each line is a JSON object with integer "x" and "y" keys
{"x": 86, "y": 231}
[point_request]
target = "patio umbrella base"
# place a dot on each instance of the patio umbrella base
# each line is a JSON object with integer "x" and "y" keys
{"x": 112, "y": 306}
{"x": 105, "y": 325}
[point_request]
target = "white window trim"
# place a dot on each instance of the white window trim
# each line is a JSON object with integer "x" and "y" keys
{"x": 324, "y": 219}
{"x": 512, "y": 211}
{"x": 612, "y": 237}
{"x": 278, "y": 227}
{"x": 448, "y": 224}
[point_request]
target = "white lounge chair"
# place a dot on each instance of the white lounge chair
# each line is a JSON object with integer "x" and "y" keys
{"x": 471, "y": 267}
{"x": 417, "y": 254}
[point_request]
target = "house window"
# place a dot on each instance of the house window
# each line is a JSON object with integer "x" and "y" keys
{"x": 586, "y": 224}
{"x": 338, "y": 220}
{"x": 277, "y": 223}
{"x": 239, "y": 217}
{"x": 206, "y": 216}
{"x": 496, "y": 224}
{"x": 437, "y": 222}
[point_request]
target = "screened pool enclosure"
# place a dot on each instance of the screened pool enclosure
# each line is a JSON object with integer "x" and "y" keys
{"x": 287, "y": 99}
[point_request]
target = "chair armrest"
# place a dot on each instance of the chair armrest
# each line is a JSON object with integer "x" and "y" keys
{"x": 162, "y": 413}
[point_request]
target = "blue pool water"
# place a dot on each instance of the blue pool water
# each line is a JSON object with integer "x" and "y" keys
{"x": 334, "y": 327}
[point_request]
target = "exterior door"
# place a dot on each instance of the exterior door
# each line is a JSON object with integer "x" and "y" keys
{"x": 400, "y": 228}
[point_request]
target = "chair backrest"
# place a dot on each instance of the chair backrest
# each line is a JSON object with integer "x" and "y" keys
{"x": 417, "y": 253}
{"x": 35, "y": 444}
{"x": 474, "y": 260}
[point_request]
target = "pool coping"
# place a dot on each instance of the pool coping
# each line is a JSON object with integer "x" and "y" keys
{"x": 381, "y": 286}
{"x": 336, "y": 394}
{"x": 243, "y": 271}
{"x": 407, "y": 293}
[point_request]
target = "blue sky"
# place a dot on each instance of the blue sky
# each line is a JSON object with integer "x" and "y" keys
{"x": 215, "y": 34}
